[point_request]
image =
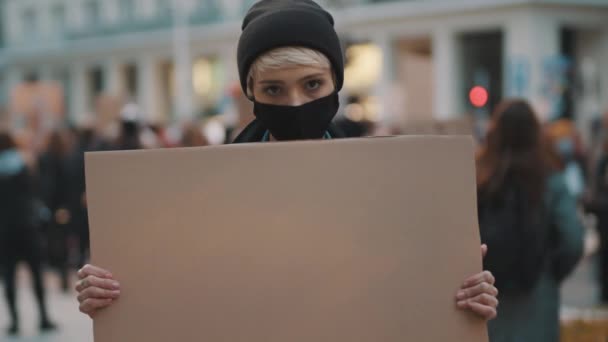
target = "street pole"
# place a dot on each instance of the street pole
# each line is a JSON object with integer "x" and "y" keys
{"x": 182, "y": 70}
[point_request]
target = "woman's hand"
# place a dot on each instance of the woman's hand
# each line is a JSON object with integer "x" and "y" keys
{"x": 96, "y": 288}
{"x": 478, "y": 293}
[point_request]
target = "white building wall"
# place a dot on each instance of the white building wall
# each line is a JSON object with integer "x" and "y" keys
{"x": 531, "y": 39}
{"x": 384, "y": 93}
{"x": 591, "y": 69}
{"x": 111, "y": 11}
{"x": 603, "y": 57}
{"x": 12, "y": 21}
{"x": 147, "y": 8}
{"x": 114, "y": 80}
{"x": 78, "y": 90}
{"x": 45, "y": 25}
{"x": 75, "y": 13}
{"x": 447, "y": 80}
{"x": 530, "y": 34}
{"x": 149, "y": 96}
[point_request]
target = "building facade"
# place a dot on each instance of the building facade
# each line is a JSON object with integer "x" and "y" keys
{"x": 406, "y": 60}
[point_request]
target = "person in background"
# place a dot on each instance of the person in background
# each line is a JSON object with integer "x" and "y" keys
{"x": 569, "y": 146}
{"x": 20, "y": 238}
{"x": 528, "y": 218}
{"x": 130, "y": 129}
{"x": 597, "y": 204}
{"x": 161, "y": 136}
{"x": 192, "y": 136}
{"x": 347, "y": 124}
{"x": 244, "y": 111}
{"x": 87, "y": 140}
{"x": 54, "y": 181}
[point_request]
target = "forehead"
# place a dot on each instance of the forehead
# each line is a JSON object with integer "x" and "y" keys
{"x": 291, "y": 74}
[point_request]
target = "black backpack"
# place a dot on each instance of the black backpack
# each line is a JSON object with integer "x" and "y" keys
{"x": 517, "y": 236}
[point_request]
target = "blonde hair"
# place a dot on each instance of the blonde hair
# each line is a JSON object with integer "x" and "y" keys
{"x": 285, "y": 57}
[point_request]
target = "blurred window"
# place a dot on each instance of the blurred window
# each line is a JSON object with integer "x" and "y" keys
{"x": 92, "y": 12}
{"x": 96, "y": 81}
{"x": 130, "y": 73}
{"x": 164, "y": 7}
{"x": 30, "y": 23}
{"x": 127, "y": 9}
{"x": 58, "y": 15}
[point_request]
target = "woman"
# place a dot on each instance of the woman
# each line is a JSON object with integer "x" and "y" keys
{"x": 291, "y": 66}
{"x": 529, "y": 221}
{"x": 19, "y": 237}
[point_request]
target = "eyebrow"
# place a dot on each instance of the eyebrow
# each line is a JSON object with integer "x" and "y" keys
{"x": 317, "y": 75}
{"x": 300, "y": 80}
{"x": 271, "y": 82}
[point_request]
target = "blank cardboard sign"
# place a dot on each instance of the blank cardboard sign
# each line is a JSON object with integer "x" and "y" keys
{"x": 348, "y": 240}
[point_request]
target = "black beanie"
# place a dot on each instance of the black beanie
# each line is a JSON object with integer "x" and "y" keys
{"x": 272, "y": 24}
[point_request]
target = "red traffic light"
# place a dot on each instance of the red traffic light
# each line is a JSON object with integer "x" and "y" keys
{"x": 478, "y": 96}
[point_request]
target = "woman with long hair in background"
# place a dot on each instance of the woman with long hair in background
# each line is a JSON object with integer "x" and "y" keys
{"x": 529, "y": 220}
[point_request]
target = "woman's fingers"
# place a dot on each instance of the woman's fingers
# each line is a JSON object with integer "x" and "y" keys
{"x": 477, "y": 290}
{"x": 485, "y": 311}
{"x": 96, "y": 289}
{"x": 97, "y": 293}
{"x": 478, "y": 293}
{"x": 479, "y": 278}
{"x": 484, "y": 299}
{"x": 91, "y": 305}
{"x": 93, "y": 281}
{"x": 88, "y": 270}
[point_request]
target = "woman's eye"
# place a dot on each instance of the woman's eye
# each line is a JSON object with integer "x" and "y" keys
{"x": 272, "y": 90}
{"x": 313, "y": 85}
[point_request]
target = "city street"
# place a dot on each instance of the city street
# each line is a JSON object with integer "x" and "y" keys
{"x": 73, "y": 326}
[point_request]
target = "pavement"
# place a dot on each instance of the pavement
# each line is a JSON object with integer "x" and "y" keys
{"x": 63, "y": 308}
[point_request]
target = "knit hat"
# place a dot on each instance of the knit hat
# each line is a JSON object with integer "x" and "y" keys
{"x": 272, "y": 24}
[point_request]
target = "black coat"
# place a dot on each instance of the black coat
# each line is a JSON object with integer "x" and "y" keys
{"x": 19, "y": 234}
{"x": 16, "y": 199}
{"x": 54, "y": 181}
{"x": 254, "y": 132}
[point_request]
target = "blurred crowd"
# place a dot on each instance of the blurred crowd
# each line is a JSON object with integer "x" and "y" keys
{"x": 43, "y": 207}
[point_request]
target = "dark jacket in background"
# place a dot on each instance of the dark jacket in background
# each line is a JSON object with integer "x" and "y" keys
{"x": 55, "y": 190}
{"x": 599, "y": 206}
{"x": 534, "y": 316}
{"x": 54, "y": 181}
{"x": 19, "y": 234}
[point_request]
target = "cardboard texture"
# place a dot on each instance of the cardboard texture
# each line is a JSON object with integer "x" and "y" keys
{"x": 348, "y": 240}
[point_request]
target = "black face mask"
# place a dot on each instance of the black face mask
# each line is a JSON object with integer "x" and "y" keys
{"x": 308, "y": 121}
